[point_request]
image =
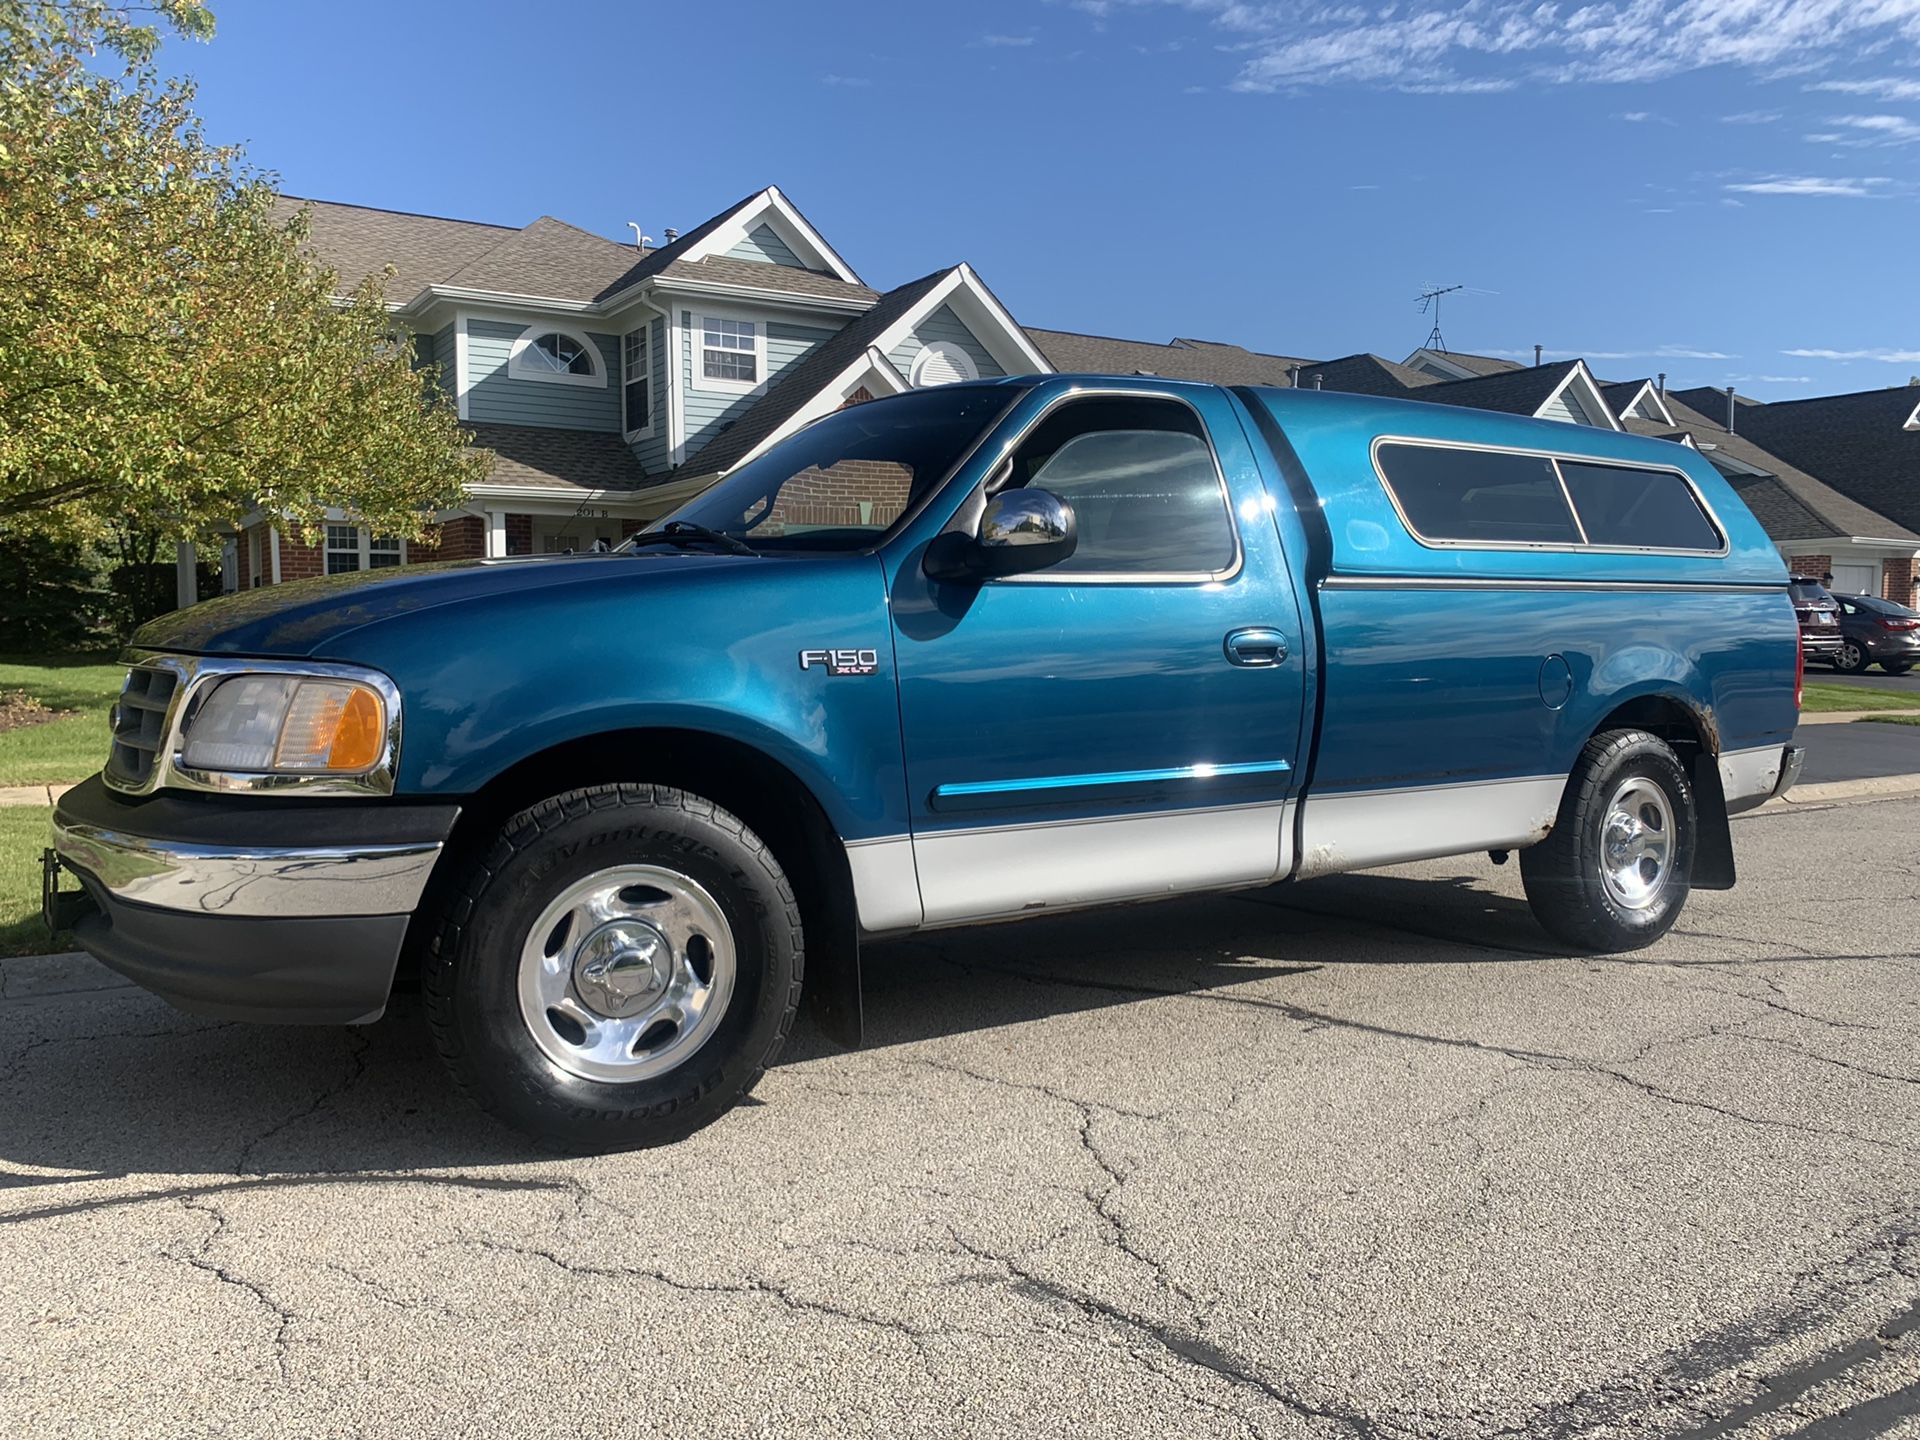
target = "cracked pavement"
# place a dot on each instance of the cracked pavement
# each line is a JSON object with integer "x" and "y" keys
{"x": 1362, "y": 1157}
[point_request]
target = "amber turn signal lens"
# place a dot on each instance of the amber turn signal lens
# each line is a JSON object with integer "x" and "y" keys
{"x": 359, "y": 734}
{"x": 332, "y": 726}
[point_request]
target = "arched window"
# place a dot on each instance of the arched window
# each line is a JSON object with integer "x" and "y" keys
{"x": 565, "y": 356}
{"x": 941, "y": 364}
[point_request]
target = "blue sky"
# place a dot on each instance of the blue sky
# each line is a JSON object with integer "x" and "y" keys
{"x": 1727, "y": 190}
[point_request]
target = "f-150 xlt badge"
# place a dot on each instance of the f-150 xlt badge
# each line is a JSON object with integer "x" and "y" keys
{"x": 841, "y": 662}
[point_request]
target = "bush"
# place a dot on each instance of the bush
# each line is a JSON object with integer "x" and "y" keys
{"x": 55, "y": 602}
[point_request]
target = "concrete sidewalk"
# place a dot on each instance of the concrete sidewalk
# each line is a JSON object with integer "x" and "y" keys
{"x": 31, "y": 794}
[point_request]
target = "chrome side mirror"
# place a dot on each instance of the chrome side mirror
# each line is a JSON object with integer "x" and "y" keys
{"x": 1020, "y": 531}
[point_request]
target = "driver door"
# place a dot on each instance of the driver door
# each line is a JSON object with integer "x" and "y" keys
{"x": 1125, "y": 723}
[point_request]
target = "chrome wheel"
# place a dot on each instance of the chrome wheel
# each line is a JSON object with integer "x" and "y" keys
{"x": 626, "y": 973}
{"x": 1636, "y": 843}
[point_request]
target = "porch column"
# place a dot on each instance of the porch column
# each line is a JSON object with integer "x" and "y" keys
{"x": 186, "y": 583}
{"x": 496, "y": 534}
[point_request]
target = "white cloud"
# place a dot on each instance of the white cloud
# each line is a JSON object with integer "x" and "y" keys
{"x": 1877, "y": 129}
{"x": 1481, "y": 45}
{"x": 1882, "y": 87}
{"x": 1751, "y": 117}
{"x": 1664, "y": 352}
{"x": 1770, "y": 379}
{"x": 1006, "y": 41}
{"x": 1891, "y": 357}
{"x": 852, "y": 81}
{"x": 1866, "y": 188}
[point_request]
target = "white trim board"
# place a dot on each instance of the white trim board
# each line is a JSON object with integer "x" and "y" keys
{"x": 774, "y": 210}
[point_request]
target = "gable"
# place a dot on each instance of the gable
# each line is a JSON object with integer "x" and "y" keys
{"x": 763, "y": 245}
{"x": 944, "y": 328}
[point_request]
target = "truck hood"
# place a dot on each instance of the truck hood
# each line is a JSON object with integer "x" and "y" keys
{"x": 308, "y": 618}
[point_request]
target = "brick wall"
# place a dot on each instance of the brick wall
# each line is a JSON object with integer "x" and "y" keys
{"x": 1897, "y": 579}
{"x": 519, "y": 534}
{"x": 302, "y": 562}
{"x": 631, "y": 527}
{"x": 462, "y": 539}
{"x": 853, "y": 492}
{"x": 1814, "y": 565}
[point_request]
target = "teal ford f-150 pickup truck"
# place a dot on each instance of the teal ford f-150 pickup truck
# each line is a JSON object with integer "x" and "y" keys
{"x": 969, "y": 653}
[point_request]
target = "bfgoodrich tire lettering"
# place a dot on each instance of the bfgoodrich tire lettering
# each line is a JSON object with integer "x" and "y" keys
{"x": 1614, "y": 872}
{"x": 472, "y": 977}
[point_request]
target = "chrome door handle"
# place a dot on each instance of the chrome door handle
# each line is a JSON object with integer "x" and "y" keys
{"x": 1258, "y": 645}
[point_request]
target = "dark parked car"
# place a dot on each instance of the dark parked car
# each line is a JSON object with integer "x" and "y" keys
{"x": 1819, "y": 616}
{"x": 1876, "y": 631}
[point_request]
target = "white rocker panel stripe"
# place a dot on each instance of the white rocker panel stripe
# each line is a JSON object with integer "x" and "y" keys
{"x": 1361, "y": 829}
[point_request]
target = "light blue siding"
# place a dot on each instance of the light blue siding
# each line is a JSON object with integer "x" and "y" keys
{"x": 446, "y": 356}
{"x": 709, "y": 411}
{"x": 652, "y": 452}
{"x": 766, "y": 247}
{"x": 1562, "y": 408}
{"x": 493, "y": 395}
{"x": 943, "y": 324}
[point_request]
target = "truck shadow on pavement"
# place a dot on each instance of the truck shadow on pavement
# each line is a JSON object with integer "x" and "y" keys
{"x": 100, "y": 1080}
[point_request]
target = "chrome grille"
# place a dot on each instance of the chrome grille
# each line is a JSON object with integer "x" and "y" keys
{"x": 140, "y": 724}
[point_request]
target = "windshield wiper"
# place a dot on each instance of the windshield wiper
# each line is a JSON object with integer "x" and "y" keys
{"x": 685, "y": 532}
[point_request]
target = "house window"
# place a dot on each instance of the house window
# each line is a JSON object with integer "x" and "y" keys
{"x": 350, "y": 548}
{"x": 343, "y": 549}
{"x": 731, "y": 353}
{"x": 563, "y": 357}
{"x": 941, "y": 364}
{"x": 636, "y": 381}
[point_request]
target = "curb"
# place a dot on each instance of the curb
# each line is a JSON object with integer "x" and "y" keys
{"x": 32, "y": 794}
{"x": 1873, "y": 787}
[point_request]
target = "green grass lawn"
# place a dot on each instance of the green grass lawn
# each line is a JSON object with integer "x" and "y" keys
{"x": 1911, "y": 717}
{"x": 1819, "y": 698}
{"x": 24, "y": 831}
{"x": 60, "y": 750}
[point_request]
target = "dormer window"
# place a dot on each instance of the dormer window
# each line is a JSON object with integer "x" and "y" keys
{"x": 732, "y": 353}
{"x": 563, "y": 356}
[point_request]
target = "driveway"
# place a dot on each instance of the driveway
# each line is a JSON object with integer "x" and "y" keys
{"x": 1360, "y": 1158}
{"x": 1858, "y": 749}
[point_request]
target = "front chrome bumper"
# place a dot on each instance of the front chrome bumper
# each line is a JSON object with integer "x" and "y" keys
{"x": 277, "y": 882}
{"x": 246, "y": 908}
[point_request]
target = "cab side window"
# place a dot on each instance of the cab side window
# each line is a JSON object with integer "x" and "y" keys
{"x": 1146, "y": 494}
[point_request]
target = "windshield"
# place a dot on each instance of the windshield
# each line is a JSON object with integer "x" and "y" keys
{"x": 844, "y": 481}
{"x": 1810, "y": 592}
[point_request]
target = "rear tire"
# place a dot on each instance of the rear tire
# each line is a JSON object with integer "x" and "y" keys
{"x": 1614, "y": 871}
{"x": 618, "y": 970}
{"x": 1896, "y": 667}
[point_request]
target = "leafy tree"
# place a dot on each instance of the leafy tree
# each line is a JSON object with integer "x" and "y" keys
{"x": 169, "y": 354}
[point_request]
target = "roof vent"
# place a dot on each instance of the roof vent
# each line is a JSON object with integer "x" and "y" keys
{"x": 671, "y": 234}
{"x": 1730, "y": 405}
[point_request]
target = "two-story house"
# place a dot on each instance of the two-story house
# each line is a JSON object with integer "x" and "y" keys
{"x": 611, "y": 381}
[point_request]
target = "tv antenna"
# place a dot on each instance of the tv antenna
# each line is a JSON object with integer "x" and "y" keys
{"x": 1429, "y": 299}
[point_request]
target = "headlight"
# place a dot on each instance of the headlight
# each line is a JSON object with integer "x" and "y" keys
{"x": 287, "y": 724}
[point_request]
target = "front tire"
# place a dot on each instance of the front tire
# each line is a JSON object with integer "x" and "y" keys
{"x": 1614, "y": 871}
{"x": 1850, "y": 659}
{"x": 618, "y": 970}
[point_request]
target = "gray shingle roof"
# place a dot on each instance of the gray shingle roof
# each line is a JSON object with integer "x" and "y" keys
{"x": 357, "y": 241}
{"x": 1367, "y": 375}
{"x": 720, "y": 270}
{"x": 1514, "y": 392}
{"x": 1790, "y": 503}
{"x": 549, "y": 258}
{"x": 582, "y": 462}
{"x": 802, "y": 382}
{"x": 1619, "y": 394}
{"x": 1854, "y": 442}
{"x": 1480, "y": 364}
{"x": 1205, "y": 360}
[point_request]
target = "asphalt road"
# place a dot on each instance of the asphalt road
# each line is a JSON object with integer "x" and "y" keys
{"x": 1361, "y": 1158}
{"x": 1854, "y": 750}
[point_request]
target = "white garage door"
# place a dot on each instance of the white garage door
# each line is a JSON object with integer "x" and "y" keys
{"x": 1856, "y": 579}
